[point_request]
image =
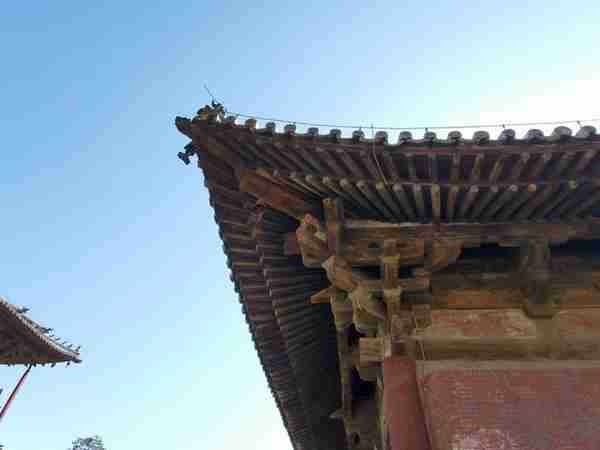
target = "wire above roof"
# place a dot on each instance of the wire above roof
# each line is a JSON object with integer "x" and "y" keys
{"x": 444, "y": 127}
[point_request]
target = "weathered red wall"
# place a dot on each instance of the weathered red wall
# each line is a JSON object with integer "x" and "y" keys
{"x": 513, "y": 405}
{"x": 402, "y": 406}
{"x": 553, "y": 405}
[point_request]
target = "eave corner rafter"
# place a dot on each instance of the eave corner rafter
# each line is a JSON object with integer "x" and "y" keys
{"x": 251, "y": 181}
{"x": 276, "y": 196}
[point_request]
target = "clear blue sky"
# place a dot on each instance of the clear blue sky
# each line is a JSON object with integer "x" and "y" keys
{"x": 109, "y": 239}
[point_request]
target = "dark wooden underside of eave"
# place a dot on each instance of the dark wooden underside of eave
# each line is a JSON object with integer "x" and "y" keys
{"x": 465, "y": 182}
{"x": 295, "y": 340}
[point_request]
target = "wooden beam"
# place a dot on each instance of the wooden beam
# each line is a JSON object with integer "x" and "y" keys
{"x": 473, "y": 233}
{"x": 509, "y": 334}
{"x": 511, "y": 296}
{"x": 347, "y": 278}
{"x": 276, "y": 196}
{"x": 570, "y": 294}
{"x": 477, "y": 298}
{"x": 364, "y": 240}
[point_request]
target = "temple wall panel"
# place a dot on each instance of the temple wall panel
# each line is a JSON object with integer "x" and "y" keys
{"x": 504, "y": 405}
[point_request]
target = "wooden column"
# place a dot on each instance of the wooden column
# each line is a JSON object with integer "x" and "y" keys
{"x": 402, "y": 409}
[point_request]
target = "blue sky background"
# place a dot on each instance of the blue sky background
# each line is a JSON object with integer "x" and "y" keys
{"x": 109, "y": 239}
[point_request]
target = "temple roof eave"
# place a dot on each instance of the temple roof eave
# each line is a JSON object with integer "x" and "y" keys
{"x": 473, "y": 185}
{"x": 24, "y": 333}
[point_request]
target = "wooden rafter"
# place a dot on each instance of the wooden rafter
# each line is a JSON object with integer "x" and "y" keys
{"x": 277, "y": 197}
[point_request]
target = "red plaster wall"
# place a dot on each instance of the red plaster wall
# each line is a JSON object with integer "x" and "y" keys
{"x": 508, "y": 405}
{"x": 402, "y": 406}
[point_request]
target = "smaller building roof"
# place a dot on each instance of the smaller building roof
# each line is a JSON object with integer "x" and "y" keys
{"x": 24, "y": 341}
